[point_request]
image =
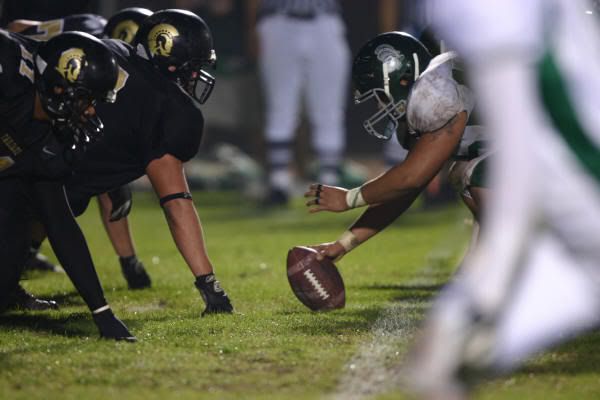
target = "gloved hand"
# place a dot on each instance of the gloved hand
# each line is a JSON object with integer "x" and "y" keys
{"x": 112, "y": 327}
{"x": 214, "y": 296}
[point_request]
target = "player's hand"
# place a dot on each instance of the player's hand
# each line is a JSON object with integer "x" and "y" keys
{"x": 332, "y": 250}
{"x": 111, "y": 327}
{"x": 326, "y": 198}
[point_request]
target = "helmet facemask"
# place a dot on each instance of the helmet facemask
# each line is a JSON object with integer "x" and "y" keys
{"x": 384, "y": 122}
{"x": 74, "y": 71}
{"x": 192, "y": 78}
{"x": 67, "y": 106}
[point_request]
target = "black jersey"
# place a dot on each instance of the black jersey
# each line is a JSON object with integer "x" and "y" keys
{"x": 88, "y": 23}
{"x": 27, "y": 146}
{"x": 151, "y": 117}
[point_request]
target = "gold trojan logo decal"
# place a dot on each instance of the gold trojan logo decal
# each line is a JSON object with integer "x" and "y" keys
{"x": 160, "y": 39}
{"x": 70, "y": 63}
{"x": 125, "y": 31}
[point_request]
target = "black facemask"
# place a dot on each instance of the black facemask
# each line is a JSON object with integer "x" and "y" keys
{"x": 195, "y": 81}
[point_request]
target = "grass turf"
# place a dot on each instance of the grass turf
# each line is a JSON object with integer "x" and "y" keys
{"x": 272, "y": 347}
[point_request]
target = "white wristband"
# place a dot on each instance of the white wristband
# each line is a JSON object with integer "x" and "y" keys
{"x": 101, "y": 309}
{"x": 354, "y": 198}
{"x": 348, "y": 240}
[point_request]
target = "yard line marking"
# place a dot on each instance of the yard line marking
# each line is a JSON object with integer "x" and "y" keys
{"x": 374, "y": 367}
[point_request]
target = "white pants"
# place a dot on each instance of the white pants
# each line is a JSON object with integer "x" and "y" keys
{"x": 305, "y": 57}
{"x": 537, "y": 268}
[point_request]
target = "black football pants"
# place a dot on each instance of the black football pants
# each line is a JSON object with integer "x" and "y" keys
{"x": 20, "y": 201}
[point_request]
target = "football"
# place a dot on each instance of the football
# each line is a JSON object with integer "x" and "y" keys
{"x": 317, "y": 284}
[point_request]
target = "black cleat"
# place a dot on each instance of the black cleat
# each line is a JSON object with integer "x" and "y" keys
{"x": 39, "y": 262}
{"x": 23, "y": 300}
{"x": 277, "y": 198}
{"x": 111, "y": 327}
{"x": 135, "y": 273}
{"x": 215, "y": 298}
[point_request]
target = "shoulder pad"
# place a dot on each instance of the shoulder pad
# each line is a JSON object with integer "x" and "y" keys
{"x": 118, "y": 47}
{"x": 436, "y": 97}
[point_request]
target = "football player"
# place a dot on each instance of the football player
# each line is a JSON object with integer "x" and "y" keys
{"x": 115, "y": 205}
{"x": 154, "y": 127}
{"x": 533, "y": 280}
{"x": 44, "y": 30}
{"x": 417, "y": 99}
{"x": 49, "y": 91}
{"x": 125, "y": 23}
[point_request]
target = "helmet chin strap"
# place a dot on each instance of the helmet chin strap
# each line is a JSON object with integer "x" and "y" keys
{"x": 417, "y": 66}
{"x": 386, "y": 80}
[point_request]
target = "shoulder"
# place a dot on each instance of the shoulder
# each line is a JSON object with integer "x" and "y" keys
{"x": 16, "y": 63}
{"x": 181, "y": 105}
{"x": 88, "y": 23}
{"x": 119, "y": 48}
{"x": 436, "y": 97}
{"x": 183, "y": 124}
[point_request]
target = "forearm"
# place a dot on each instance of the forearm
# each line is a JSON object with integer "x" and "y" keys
{"x": 68, "y": 243}
{"x": 396, "y": 184}
{"x": 378, "y": 217}
{"x": 426, "y": 158}
{"x": 186, "y": 230}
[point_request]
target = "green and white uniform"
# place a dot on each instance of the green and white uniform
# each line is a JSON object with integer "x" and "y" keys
{"x": 534, "y": 279}
{"x": 436, "y": 97}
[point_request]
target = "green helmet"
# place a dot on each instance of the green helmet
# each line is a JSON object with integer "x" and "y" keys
{"x": 384, "y": 70}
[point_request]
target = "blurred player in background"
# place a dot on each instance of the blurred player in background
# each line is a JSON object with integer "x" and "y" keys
{"x": 154, "y": 127}
{"x": 417, "y": 99}
{"x": 534, "y": 279}
{"x": 48, "y": 120}
{"x": 302, "y": 52}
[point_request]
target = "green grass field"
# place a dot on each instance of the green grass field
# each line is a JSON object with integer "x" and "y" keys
{"x": 273, "y": 347}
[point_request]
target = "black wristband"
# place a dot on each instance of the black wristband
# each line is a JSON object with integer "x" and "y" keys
{"x": 180, "y": 195}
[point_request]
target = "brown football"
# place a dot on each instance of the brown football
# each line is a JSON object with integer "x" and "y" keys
{"x": 317, "y": 284}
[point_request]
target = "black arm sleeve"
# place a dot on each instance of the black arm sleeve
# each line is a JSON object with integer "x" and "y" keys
{"x": 68, "y": 241}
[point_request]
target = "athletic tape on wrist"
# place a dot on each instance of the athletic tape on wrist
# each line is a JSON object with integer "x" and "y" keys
{"x": 354, "y": 198}
{"x": 348, "y": 240}
{"x": 101, "y": 309}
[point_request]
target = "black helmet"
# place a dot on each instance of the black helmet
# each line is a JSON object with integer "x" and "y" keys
{"x": 179, "y": 44}
{"x": 73, "y": 71}
{"x": 385, "y": 69}
{"x": 125, "y": 23}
